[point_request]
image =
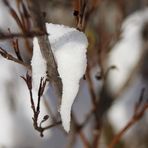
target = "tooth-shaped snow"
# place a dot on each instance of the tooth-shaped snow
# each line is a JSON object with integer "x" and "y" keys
{"x": 69, "y": 48}
{"x": 38, "y": 64}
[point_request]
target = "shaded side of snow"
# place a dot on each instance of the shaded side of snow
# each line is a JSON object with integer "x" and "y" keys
{"x": 38, "y": 65}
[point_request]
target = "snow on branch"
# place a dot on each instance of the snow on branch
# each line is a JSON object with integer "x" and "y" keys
{"x": 140, "y": 110}
{"x": 69, "y": 48}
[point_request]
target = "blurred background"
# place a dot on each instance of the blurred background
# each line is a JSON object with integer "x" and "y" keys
{"x": 114, "y": 88}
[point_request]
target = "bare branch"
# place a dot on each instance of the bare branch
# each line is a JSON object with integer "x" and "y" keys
{"x": 31, "y": 34}
{"x": 14, "y": 14}
{"x": 39, "y": 24}
{"x": 8, "y": 56}
{"x": 36, "y": 108}
{"x": 138, "y": 114}
{"x": 17, "y": 49}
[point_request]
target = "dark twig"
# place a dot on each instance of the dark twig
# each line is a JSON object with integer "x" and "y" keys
{"x": 14, "y": 15}
{"x": 16, "y": 48}
{"x": 40, "y": 93}
{"x": 39, "y": 24}
{"x": 28, "y": 80}
{"x": 22, "y": 19}
{"x": 31, "y": 34}
{"x": 24, "y": 14}
{"x": 36, "y": 109}
{"x": 79, "y": 13}
{"x": 8, "y": 56}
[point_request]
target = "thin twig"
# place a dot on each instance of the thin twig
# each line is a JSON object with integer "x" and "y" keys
{"x": 17, "y": 49}
{"x": 78, "y": 130}
{"x": 36, "y": 108}
{"x": 8, "y": 56}
{"x": 14, "y": 15}
{"x": 15, "y": 44}
{"x": 31, "y": 34}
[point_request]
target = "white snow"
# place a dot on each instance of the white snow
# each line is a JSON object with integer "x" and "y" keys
{"x": 69, "y": 48}
{"x": 38, "y": 65}
{"x": 127, "y": 52}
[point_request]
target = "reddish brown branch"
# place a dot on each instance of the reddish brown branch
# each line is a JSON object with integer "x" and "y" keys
{"x": 78, "y": 130}
{"x": 22, "y": 19}
{"x": 15, "y": 44}
{"x": 14, "y": 14}
{"x": 17, "y": 49}
{"x": 138, "y": 114}
{"x": 84, "y": 140}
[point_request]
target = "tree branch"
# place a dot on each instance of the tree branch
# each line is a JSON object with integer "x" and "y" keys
{"x": 8, "y": 56}
{"x": 31, "y": 34}
{"x": 138, "y": 114}
{"x": 39, "y": 24}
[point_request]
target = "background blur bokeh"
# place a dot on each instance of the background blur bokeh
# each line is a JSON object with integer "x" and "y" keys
{"x": 117, "y": 71}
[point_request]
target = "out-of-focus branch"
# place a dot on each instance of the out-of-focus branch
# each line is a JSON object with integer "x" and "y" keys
{"x": 138, "y": 114}
{"x": 22, "y": 19}
{"x": 78, "y": 131}
{"x": 14, "y": 14}
{"x": 39, "y": 24}
{"x": 91, "y": 87}
{"x": 82, "y": 13}
{"x": 105, "y": 96}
